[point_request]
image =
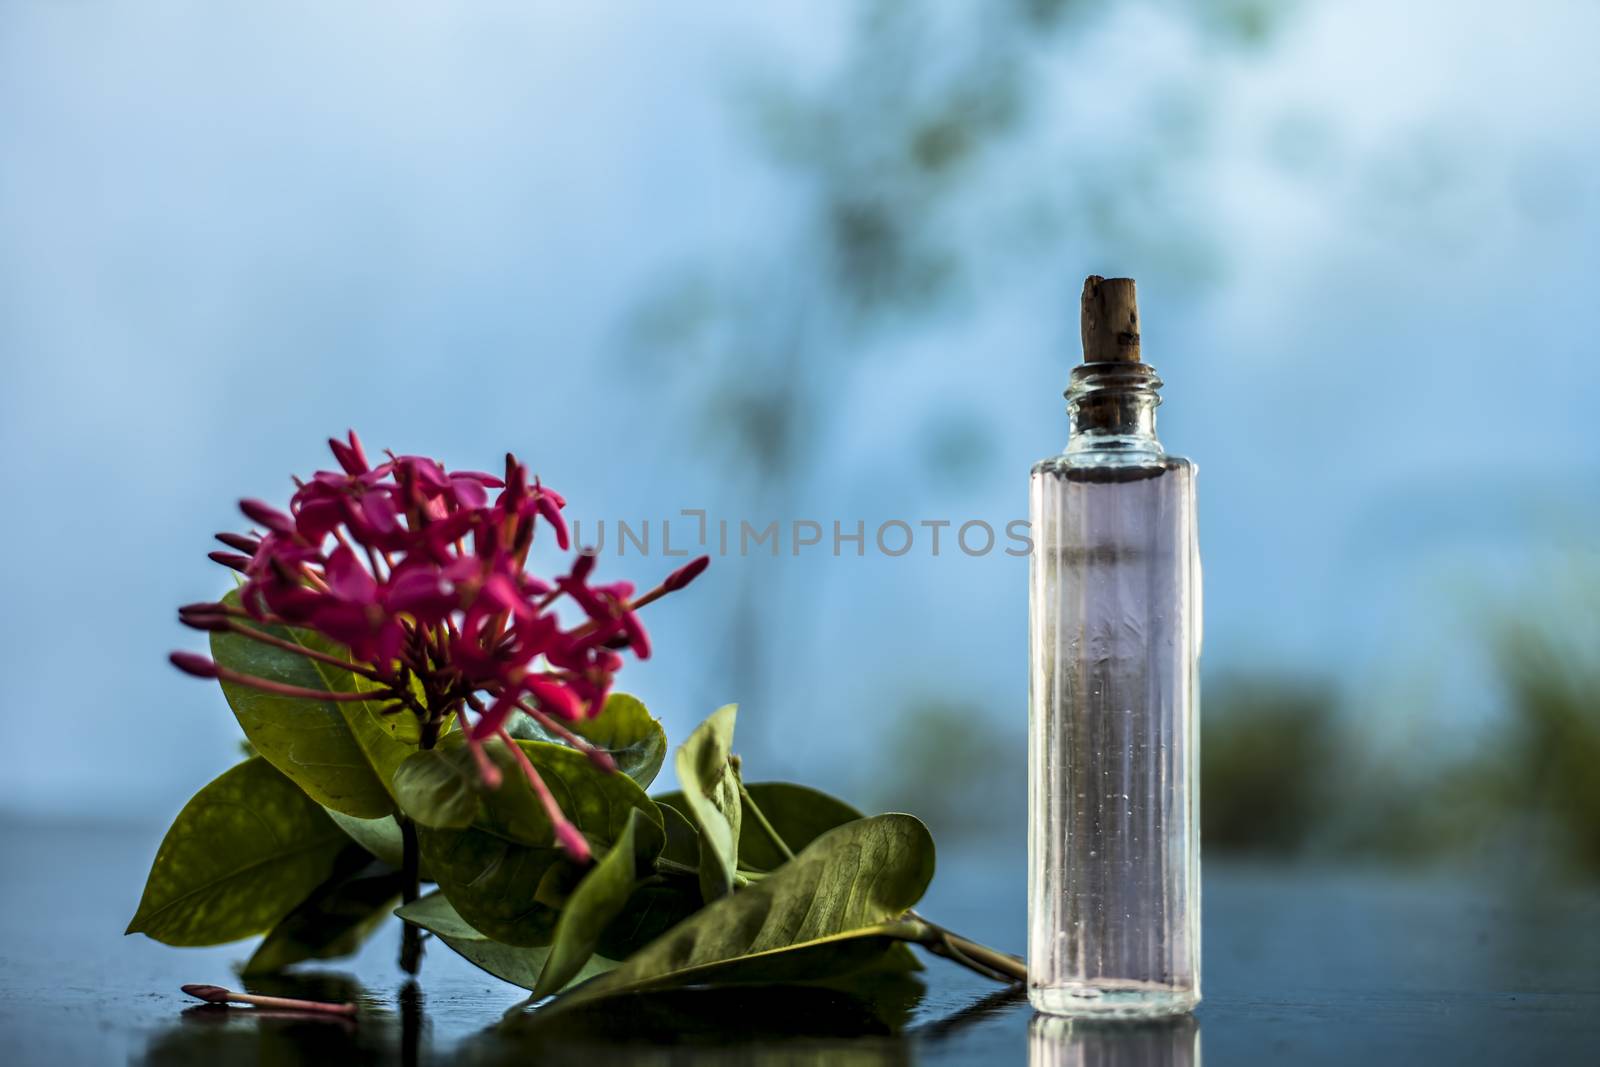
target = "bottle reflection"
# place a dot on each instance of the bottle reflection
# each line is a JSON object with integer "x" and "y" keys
{"x": 1057, "y": 1042}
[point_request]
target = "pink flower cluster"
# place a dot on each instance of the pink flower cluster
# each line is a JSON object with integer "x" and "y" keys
{"x": 421, "y": 575}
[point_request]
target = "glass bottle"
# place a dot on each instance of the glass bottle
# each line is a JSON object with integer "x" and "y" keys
{"x": 1114, "y": 631}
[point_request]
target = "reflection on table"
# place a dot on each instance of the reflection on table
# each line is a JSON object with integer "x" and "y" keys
{"x": 1054, "y": 1041}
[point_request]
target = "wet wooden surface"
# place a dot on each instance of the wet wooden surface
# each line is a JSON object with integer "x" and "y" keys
{"x": 1301, "y": 966}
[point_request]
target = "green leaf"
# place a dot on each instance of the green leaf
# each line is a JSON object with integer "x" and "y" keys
{"x": 593, "y": 800}
{"x": 598, "y": 899}
{"x": 381, "y": 837}
{"x": 493, "y": 882}
{"x": 240, "y": 856}
{"x": 437, "y": 790}
{"x": 654, "y": 908}
{"x": 624, "y": 728}
{"x": 517, "y": 965}
{"x": 311, "y": 741}
{"x": 710, "y": 788}
{"x": 683, "y": 840}
{"x": 493, "y": 871}
{"x": 386, "y": 739}
{"x": 798, "y": 813}
{"x": 629, "y": 732}
{"x": 834, "y": 907}
{"x": 333, "y": 922}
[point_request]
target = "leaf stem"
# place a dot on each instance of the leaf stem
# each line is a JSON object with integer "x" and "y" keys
{"x": 674, "y": 867}
{"x": 761, "y": 820}
{"x": 991, "y": 963}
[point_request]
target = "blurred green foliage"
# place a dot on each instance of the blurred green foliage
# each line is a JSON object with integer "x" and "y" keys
{"x": 952, "y": 768}
{"x": 1270, "y": 763}
{"x": 1529, "y": 794}
{"x": 1522, "y": 794}
{"x": 1288, "y": 773}
{"x": 1270, "y": 766}
{"x": 1549, "y": 765}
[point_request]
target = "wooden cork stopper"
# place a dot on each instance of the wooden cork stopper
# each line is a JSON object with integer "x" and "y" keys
{"x": 1110, "y": 320}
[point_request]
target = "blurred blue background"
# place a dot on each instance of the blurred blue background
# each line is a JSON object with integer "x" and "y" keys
{"x": 821, "y": 261}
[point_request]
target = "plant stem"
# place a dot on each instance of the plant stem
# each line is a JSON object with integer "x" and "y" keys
{"x": 761, "y": 820}
{"x": 674, "y": 867}
{"x": 410, "y": 889}
{"x": 411, "y": 869}
{"x": 741, "y": 877}
{"x": 991, "y": 963}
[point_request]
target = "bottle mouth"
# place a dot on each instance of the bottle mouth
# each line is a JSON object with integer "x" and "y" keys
{"x": 1106, "y": 379}
{"x": 1112, "y": 408}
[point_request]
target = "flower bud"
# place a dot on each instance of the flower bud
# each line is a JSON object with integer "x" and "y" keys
{"x": 352, "y": 457}
{"x": 267, "y": 516}
{"x": 230, "y": 559}
{"x": 523, "y": 539}
{"x": 583, "y": 566}
{"x": 686, "y": 573}
{"x": 247, "y": 545}
{"x": 194, "y": 663}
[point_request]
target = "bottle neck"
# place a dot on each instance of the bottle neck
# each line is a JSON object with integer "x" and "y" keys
{"x": 1113, "y": 409}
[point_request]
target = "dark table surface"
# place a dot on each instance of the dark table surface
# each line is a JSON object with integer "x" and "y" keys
{"x": 1301, "y": 966}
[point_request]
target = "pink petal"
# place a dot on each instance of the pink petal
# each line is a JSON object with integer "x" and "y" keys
{"x": 489, "y": 722}
{"x": 378, "y": 509}
{"x": 554, "y": 698}
{"x": 551, "y": 510}
{"x": 468, "y": 493}
{"x": 348, "y": 579}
